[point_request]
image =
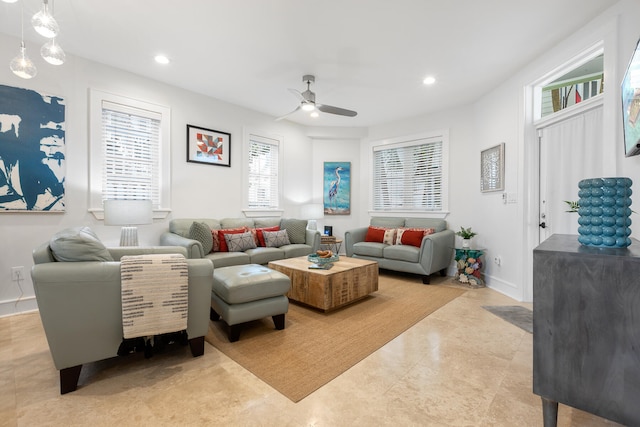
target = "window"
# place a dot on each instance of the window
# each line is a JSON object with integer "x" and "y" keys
{"x": 128, "y": 140}
{"x": 408, "y": 175}
{"x": 581, "y": 78}
{"x": 263, "y": 183}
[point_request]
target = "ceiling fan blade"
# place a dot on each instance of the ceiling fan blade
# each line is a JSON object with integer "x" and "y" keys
{"x": 288, "y": 114}
{"x": 336, "y": 110}
{"x": 298, "y": 95}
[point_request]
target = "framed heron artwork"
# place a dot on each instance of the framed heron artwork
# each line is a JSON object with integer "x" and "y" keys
{"x": 336, "y": 188}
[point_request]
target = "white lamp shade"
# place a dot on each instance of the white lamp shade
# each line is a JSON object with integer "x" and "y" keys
{"x": 312, "y": 211}
{"x": 128, "y": 212}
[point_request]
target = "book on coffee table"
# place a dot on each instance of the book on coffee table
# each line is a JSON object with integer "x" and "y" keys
{"x": 326, "y": 266}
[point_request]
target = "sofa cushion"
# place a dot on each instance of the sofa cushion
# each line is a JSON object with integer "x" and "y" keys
{"x": 406, "y": 253}
{"x": 237, "y": 223}
{"x": 275, "y": 239}
{"x": 371, "y": 249}
{"x": 222, "y": 240}
{"x": 265, "y": 255}
{"x": 240, "y": 242}
{"x": 266, "y": 222}
{"x": 387, "y": 222}
{"x": 224, "y": 259}
{"x": 78, "y": 244}
{"x": 202, "y": 233}
{"x": 296, "y": 229}
{"x": 437, "y": 224}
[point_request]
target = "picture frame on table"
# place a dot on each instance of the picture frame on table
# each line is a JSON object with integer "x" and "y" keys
{"x": 208, "y": 146}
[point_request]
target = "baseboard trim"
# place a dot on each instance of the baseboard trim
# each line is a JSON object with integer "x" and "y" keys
{"x": 506, "y": 288}
{"x": 18, "y": 306}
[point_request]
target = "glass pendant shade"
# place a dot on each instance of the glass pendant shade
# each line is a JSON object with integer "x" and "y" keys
{"x": 53, "y": 53}
{"x": 22, "y": 66}
{"x": 44, "y": 23}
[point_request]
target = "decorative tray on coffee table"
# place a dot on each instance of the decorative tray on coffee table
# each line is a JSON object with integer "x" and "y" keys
{"x": 323, "y": 261}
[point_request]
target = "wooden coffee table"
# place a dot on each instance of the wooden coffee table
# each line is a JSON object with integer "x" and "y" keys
{"x": 349, "y": 280}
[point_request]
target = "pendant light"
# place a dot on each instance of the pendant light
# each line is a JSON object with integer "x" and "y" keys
{"x": 21, "y": 65}
{"x": 44, "y": 23}
{"x": 52, "y": 53}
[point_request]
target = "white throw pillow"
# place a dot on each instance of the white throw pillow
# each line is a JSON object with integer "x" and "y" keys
{"x": 240, "y": 242}
{"x": 275, "y": 239}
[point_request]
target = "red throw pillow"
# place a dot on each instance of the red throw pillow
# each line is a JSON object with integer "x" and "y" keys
{"x": 223, "y": 242}
{"x": 375, "y": 234}
{"x": 215, "y": 247}
{"x": 260, "y": 236}
{"x": 412, "y": 237}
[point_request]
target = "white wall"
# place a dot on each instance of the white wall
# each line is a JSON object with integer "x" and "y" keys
{"x": 506, "y": 230}
{"x": 197, "y": 190}
{"x": 211, "y": 191}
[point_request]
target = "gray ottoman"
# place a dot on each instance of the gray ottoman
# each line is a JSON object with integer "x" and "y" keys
{"x": 242, "y": 293}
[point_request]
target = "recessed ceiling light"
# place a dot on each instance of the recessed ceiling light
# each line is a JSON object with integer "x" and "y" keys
{"x": 429, "y": 80}
{"x": 161, "y": 59}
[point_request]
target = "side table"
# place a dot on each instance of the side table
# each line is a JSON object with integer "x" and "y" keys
{"x": 469, "y": 265}
{"x": 332, "y": 243}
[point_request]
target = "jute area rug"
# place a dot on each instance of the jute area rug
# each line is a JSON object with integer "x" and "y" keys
{"x": 316, "y": 347}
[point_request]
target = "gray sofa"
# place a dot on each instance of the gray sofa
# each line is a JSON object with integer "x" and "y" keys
{"x": 306, "y": 242}
{"x": 434, "y": 254}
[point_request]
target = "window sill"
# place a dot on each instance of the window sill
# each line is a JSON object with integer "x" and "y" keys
{"x": 257, "y": 213}
{"x": 157, "y": 213}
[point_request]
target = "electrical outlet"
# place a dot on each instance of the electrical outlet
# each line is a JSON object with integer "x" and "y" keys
{"x": 17, "y": 273}
{"x": 497, "y": 260}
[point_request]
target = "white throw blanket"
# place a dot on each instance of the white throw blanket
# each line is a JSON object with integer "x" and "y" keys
{"x": 154, "y": 294}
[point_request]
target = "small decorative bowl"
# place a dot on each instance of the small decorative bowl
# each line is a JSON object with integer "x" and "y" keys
{"x": 320, "y": 261}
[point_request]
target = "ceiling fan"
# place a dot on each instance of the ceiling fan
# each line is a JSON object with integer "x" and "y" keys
{"x": 308, "y": 102}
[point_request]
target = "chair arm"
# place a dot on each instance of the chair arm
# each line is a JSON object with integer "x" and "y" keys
{"x": 436, "y": 251}
{"x": 193, "y": 247}
{"x": 312, "y": 238}
{"x": 354, "y": 236}
{"x": 118, "y": 252}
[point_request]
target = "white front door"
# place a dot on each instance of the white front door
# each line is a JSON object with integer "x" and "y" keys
{"x": 570, "y": 150}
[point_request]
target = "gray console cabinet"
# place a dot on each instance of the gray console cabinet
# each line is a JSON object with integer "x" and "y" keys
{"x": 586, "y": 329}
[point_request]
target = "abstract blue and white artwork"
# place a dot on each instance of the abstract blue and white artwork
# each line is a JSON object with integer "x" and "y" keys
{"x": 337, "y": 188}
{"x": 32, "y": 151}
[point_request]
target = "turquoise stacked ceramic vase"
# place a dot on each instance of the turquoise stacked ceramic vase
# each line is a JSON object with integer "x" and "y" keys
{"x": 604, "y": 212}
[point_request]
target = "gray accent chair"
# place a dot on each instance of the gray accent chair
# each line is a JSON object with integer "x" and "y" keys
{"x": 434, "y": 254}
{"x": 178, "y": 235}
{"x": 81, "y": 311}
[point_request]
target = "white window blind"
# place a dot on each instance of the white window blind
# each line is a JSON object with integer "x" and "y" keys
{"x": 262, "y": 177}
{"x": 408, "y": 176}
{"x": 131, "y": 147}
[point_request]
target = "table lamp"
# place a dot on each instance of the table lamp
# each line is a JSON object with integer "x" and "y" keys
{"x": 312, "y": 212}
{"x": 128, "y": 213}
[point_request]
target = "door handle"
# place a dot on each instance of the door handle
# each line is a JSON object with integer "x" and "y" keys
{"x": 543, "y": 224}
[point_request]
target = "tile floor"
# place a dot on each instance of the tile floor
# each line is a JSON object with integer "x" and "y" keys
{"x": 461, "y": 366}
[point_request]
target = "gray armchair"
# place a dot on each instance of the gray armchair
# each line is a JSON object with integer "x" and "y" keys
{"x": 81, "y": 311}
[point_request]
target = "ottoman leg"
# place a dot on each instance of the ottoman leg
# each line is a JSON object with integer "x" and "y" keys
{"x": 213, "y": 315}
{"x": 234, "y": 332}
{"x": 278, "y": 321}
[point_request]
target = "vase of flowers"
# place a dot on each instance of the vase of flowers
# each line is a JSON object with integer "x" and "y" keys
{"x": 466, "y": 234}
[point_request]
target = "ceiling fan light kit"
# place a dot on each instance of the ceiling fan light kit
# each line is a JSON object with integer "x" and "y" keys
{"x": 308, "y": 102}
